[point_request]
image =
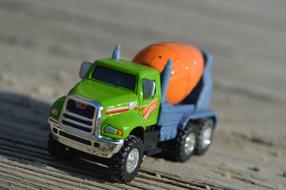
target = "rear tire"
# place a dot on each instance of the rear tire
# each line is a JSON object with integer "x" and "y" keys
{"x": 204, "y": 136}
{"x": 184, "y": 145}
{"x": 58, "y": 150}
{"x": 126, "y": 163}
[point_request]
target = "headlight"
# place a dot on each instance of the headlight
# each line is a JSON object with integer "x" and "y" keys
{"x": 111, "y": 130}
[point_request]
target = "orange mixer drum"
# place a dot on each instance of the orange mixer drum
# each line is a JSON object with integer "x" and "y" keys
{"x": 188, "y": 66}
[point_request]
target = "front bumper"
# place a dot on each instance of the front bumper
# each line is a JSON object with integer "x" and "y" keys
{"x": 88, "y": 143}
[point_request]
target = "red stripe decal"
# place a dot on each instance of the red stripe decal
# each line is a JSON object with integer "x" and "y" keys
{"x": 117, "y": 110}
{"x": 150, "y": 108}
{"x": 147, "y": 109}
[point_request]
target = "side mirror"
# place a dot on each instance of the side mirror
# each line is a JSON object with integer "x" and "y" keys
{"x": 148, "y": 88}
{"x": 84, "y": 68}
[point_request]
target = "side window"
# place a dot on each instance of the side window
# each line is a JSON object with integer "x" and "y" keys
{"x": 149, "y": 88}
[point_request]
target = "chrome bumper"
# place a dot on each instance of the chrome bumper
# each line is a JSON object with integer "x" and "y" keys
{"x": 88, "y": 143}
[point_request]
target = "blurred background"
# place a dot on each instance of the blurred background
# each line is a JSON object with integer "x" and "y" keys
{"x": 43, "y": 42}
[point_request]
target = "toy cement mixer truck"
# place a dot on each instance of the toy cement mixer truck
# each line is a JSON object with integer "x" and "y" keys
{"x": 121, "y": 110}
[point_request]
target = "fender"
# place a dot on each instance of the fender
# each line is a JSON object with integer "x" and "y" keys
{"x": 56, "y": 108}
{"x": 197, "y": 115}
{"x": 125, "y": 121}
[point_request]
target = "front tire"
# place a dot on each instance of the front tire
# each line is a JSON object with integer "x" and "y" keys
{"x": 126, "y": 163}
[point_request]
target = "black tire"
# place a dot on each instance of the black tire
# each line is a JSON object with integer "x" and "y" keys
{"x": 119, "y": 160}
{"x": 201, "y": 146}
{"x": 177, "y": 147}
{"x": 58, "y": 150}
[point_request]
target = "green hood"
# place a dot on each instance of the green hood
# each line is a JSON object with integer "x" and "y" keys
{"x": 106, "y": 94}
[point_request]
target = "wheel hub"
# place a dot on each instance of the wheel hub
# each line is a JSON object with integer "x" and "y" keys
{"x": 190, "y": 143}
{"x": 206, "y": 137}
{"x": 132, "y": 160}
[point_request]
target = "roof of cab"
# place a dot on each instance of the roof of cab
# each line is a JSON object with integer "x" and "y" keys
{"x": 127, "y": 66}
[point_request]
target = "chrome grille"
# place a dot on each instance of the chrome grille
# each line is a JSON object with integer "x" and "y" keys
{"x": 80, "y": 108}
{"x": 80, "y": 117}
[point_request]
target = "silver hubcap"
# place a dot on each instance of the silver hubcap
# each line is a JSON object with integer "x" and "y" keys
{"x": 132, "y": 160}
{"x": 190, "y": 143}
{"x": 206, "y": 137}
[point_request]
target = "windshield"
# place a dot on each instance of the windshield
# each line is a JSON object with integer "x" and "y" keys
{"x": 115, "y": 78}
